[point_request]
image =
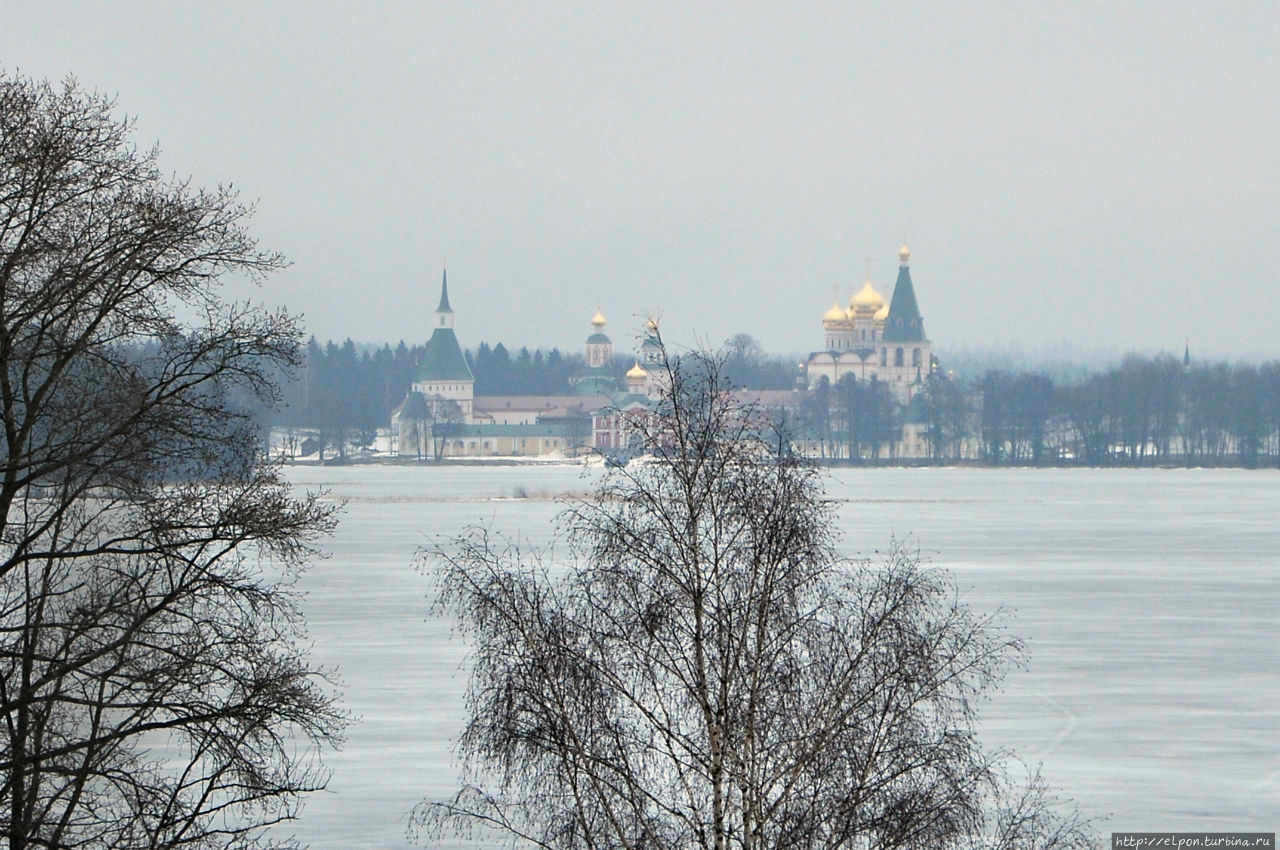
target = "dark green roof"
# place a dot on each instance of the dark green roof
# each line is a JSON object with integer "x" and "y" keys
{"x": 443, "y": 360}
{"x": 597, "y": 381}
{"x": 597, "y": 338}
{"x": 625, "y": 401}
{"x": 904, "y": 323}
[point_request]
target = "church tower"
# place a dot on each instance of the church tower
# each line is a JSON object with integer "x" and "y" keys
{"x": 652, "y": 362}
{"x": 599, "y": 346}
{"x": 444, "y": 378}
{"x": 651, "y": 353}
{"x": 598, "y": 375}
{"x": 638, "y": 380}
{"x": 442, "y": 391}
{"x": 863, "y": 309}
{"x": 905, "y": 358}
{"x": 904, "y": 324}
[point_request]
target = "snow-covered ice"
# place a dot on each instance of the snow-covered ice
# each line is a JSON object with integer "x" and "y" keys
{"x": 1149, "y": 600}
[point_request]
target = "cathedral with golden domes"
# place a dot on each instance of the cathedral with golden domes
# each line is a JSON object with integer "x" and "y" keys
{"x": 876, "y": 339}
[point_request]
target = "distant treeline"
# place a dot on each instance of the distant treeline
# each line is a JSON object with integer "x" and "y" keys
{"x": 1143, "y": 411}
{"x": 529, "y": 373}
{"x": 1146, "y": 410}
{"x": 343, "y": 389}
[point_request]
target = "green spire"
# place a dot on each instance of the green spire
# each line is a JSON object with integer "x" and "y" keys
{"x": 444, "y": 294}
{"x": 904, "y": 324}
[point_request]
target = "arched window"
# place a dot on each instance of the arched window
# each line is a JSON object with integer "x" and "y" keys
{"x": 915, "y": 357}
{"x": 897, "y": 357}
{"x": 884, "y": 357}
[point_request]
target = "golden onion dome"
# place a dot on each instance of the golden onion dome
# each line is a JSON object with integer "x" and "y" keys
{"x": 835, "y": 314}
{"x": 904, "y": 256}
{"x": 867, "y": 301}
{"x": 652, "y": 325}
{"x": 636, "y": 373}
{"x": 599, "y": 320}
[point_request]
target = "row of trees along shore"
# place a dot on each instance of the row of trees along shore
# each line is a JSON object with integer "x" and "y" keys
{"x": 1146, "y": 410}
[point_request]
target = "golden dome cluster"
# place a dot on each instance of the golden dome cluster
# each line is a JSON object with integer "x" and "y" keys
{"x": 867, "y": 303}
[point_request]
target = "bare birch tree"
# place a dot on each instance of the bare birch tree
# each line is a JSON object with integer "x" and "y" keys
{"x": 706, "y": 672}
{"x": 154, "y": 690}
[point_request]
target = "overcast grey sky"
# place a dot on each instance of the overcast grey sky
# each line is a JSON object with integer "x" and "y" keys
{"x": 1105, "y": 174}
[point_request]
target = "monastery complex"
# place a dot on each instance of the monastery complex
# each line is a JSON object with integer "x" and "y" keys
{"x": 875, "y": 340}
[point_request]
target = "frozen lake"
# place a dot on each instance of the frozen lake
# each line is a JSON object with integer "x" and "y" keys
{"x": 1149, "y": 600}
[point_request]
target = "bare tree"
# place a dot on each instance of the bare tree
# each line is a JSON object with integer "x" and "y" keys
{"x": 706, "y": 672}
{"x": 415, "y": 426}
{"x": 949, "y": 417}
{"x": 153, "y": 692}
{"x": 446, "y": 417}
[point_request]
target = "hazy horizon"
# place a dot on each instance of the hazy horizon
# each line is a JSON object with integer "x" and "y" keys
{"x": 1102, "y": 175}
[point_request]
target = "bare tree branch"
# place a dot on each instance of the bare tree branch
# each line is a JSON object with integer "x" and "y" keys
{"x": 153, "y": 689}
{"x": 703, "y": 670}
